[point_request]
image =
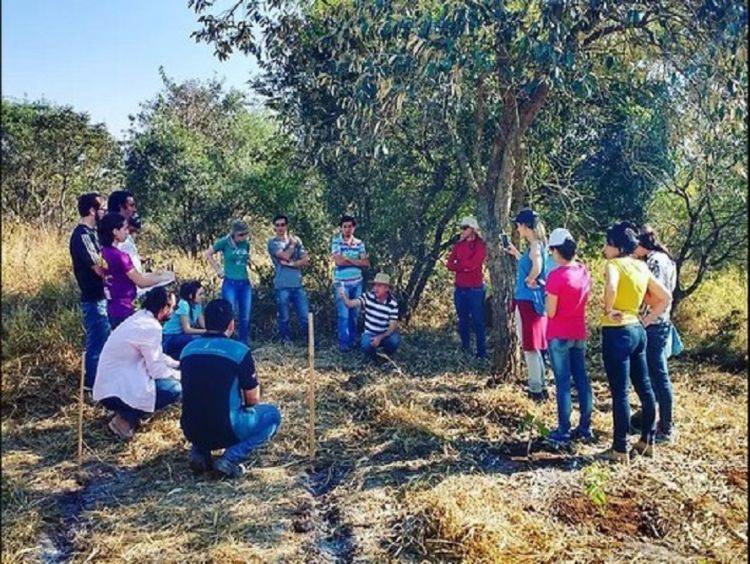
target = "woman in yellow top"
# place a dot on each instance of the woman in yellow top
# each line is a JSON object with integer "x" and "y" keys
{"x": 627, "y": 281}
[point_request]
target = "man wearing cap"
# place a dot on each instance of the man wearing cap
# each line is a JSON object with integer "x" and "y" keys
{"x": 466, "y": 260}
{"x": 236, "y": 287}
{"x": 381, "y": 316}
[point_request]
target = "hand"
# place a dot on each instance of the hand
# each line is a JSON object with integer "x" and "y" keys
{"x": 647, "y": 320}
{"x": 615, "y": 315}
{"x": 533, "y": 284}
{"x": 512, "y": 251}
{"x": 376, "y": 341}
{"x": 342, "y": 293}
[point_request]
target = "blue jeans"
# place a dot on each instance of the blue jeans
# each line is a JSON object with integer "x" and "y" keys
{"x": 297, "y": 297}
{"x": 568, "y": 359}
{"x": 470, "y": 310}
{"x": 173, "y": 344}
{"x": 390, "y": 344}
{"x": 96, "y": 327}
{"x": 656, "y": 357}
{"x": 624, "y": 355}
{"x": 346, "y": 319}
{"x": 253, "y": 427}
{"x": 239, "y": 293}
{"x": 168, "y": 391}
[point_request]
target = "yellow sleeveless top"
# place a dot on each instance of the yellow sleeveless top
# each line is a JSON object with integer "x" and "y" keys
{"x": 631, "y": 289}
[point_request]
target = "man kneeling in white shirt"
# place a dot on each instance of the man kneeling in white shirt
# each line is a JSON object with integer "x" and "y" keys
{"x": 134, "y": 377}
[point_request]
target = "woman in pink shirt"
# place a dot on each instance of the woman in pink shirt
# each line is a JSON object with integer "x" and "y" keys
{"x": 568, "y": 287}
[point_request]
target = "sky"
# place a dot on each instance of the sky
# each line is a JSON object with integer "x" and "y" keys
{"x": 103, "y": 56}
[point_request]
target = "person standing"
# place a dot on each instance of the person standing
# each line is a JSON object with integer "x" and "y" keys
{"x": 381, "y": 317}
{"x": 85, "y": 254}
{"x": 349, "y": 257}
{"x": 289, "y": 257}
{"x": 134, "y": 376}
{"x": 661, "y": 265}
{"x": 121, "y": 279}
{"x": 236, "y": 287}
{"x": 123, "y": 202}
{"x": 528, "y": 297}
{"x": 466, "y": 260}
{"x": 567, "y": 289}
{"x": 626, "y": 282}
{"x": 221, "y": 397}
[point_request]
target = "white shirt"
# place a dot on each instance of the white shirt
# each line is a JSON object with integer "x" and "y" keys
{"x": 128, "y": 246}
{"x": 132, "y": 358}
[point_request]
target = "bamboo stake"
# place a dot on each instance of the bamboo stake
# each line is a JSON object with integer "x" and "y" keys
{"x": 311, "y": 386}
{"x": 80, "y": 410}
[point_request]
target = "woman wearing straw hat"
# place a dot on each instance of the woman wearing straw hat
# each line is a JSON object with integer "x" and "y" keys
{"x": 236, "y": 287}
{"x": 466, "y": 260}
{"x": 381, "y": 316}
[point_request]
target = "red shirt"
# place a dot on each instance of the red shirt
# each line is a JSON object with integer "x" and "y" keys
{"x": 466, "y": 260}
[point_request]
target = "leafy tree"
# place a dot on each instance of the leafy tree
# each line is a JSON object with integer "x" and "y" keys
{"x": 487, "y": 67}
{"x": 191, "y": 157}
{"x": 50, "y": 155}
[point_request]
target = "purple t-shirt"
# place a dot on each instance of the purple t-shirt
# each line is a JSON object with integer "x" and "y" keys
{"x": 571, "y": 284}
{"x": 118, "y": 288}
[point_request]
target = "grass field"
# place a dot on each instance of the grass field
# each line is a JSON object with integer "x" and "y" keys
{"x": 416, "y": 461}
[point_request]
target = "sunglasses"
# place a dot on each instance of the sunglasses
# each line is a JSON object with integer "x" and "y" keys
{"x": 280, "y": 224}
{"x": 465, "y": 226}
{"x": 241, "y": 234}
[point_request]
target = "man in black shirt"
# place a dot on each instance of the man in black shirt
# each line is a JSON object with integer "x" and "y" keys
{"x": 221, "y": 395}
{"x": 85, "y": 253}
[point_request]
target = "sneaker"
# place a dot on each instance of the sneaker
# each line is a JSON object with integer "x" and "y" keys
{"x": 228, "y": 468}
{"x": 586, "y": 437}
{"x": 558, "y": 436}
{"x": 121, "y": 428}
{"x": 665, "y": 438}
{"x": 539, "y": 397}
{"x": 611, "y": 455}
{"x": 200, "y": 463}
{"x": 643, "y": 449}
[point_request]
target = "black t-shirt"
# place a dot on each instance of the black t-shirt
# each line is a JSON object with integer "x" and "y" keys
{"x": 85, "y": 252}
{"x": 215, "y": 370}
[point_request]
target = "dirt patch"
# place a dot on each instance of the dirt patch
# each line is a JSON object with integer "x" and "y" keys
{"x": 737, "y": 477}
{"x": 620, "y": 517}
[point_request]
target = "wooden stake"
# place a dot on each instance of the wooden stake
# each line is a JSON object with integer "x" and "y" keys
{"x": 311, "y": 386}
{"x": 80, "y": 410}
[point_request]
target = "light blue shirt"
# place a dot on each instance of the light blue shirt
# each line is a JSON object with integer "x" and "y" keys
{"x": 173, "y": 327}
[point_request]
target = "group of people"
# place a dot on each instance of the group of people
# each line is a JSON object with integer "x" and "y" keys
{"x": 549, "y": 304}
{"x": 201, "y": 356}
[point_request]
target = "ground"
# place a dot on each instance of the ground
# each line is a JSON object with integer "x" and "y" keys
{"x": 416, "y": 460}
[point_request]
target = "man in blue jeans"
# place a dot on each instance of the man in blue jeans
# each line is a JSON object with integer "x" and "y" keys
{"x": 85, "y": 253}
{"x": 134, "y": 376}
{"x": 350, "y": 257}
{"x": 289, "y": 257}
{"x": 221, "y": 406}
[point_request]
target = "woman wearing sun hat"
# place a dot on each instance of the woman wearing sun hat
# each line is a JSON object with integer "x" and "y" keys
{"x": 236, "y": 287}
{"x": 466, "y": 260}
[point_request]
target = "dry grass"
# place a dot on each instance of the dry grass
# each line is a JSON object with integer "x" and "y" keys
{"x": 417, "y": 461}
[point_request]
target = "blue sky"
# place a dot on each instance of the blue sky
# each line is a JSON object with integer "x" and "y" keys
{"x": 103, "y": 56}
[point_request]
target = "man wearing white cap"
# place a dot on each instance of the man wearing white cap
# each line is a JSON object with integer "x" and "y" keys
{"x": 466, "y": 260}
{"x": 381, "y": 316}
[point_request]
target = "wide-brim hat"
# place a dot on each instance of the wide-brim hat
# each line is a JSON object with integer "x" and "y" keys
{"x": 382, "y": 278}
{"x": 470, "y": 221}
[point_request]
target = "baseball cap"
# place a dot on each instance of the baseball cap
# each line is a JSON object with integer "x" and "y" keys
{"x": 239, "y": 226}
{"x": 527, "y": 217}
{"x": 559, "y": 236}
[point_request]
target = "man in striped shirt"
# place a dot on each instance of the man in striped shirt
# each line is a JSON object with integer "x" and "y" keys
{"x": 381, "y": 316}
{"x": 350, "y": 258}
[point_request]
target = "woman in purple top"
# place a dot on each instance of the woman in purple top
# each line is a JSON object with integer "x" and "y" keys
{"x": 121, "y": 279}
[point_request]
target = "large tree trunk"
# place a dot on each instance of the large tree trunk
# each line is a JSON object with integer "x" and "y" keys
{"x": 493, "y": 210}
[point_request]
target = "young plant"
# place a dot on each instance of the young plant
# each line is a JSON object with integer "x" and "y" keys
{"x": 595, "y": 478}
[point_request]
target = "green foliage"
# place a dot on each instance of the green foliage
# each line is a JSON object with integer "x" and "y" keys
{"x": 595, "y": 479}
{"x": 50, "y": 155}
